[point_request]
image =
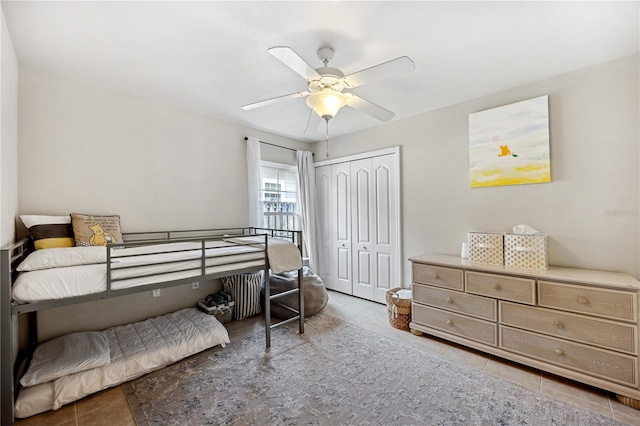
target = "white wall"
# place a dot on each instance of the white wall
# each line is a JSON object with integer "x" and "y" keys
{"x": 89, "y": 149}
{"x": 86, "y": 148}
{"x": 594, "y": 124}
{"x": 9, "y": 136}
{"x": 8, "y": 141}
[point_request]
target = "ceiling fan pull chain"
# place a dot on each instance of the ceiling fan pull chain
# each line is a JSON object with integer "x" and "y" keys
{"x": 326, "y": 138}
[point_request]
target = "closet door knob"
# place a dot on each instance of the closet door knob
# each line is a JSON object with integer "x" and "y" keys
{"x": 449, "y": 300}
{"x": 583, "y": 300}
{"x": 559, "y": 324}
{"x": 559, "y": 352}
{"x": 364, "y": 248}
{"x": 343, "y": 245}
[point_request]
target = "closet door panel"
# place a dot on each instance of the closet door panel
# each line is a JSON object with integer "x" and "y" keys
{"x": 362, "y": 220}
{"x": 383, "y": 205}
{"x": 323, "y": 190}
{"x": 342, "y": 206}
{"x": 343, "y": 264}
{"x": 383, "y": 272}
{"x": 341, "y": 229}
{"x": 362, "y": 201}
{"x": 364, "y": 267}
{"x": 385, "y": 218}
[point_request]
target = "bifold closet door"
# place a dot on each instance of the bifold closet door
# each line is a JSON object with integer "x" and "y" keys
{"x": 373, "y": 224}
{"x": 386, "y": 251}
{"x": 341, "y": 229}
{"x": 362, "y": 229}
{"x": 323, "y": 192}
{"x": 358, "y": 203}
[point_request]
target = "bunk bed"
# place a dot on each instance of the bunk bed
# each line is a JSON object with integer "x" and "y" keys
{"x": 144, "y": 261}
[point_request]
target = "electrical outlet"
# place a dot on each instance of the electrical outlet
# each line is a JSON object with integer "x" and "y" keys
{"x": 156, "y": 292}
{"x": 195, "y": 285}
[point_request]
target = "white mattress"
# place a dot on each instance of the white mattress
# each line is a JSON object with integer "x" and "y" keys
{"x": 141, "y": 265}
{"x": 136, "y": 349}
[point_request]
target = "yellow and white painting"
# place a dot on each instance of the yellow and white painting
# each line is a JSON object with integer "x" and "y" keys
{"x": 509, "y": 145}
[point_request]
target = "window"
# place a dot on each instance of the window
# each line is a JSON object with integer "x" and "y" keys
{"x": 280, "y": 196}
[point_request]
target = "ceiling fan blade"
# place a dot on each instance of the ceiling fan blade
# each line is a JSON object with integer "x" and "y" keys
{"x": 398, "y": 66}
{"x": 313, "y": 123}
{"x": 376, "y": 111}
{"x": 294, "y": 61}
{"x": 274, "y": 100}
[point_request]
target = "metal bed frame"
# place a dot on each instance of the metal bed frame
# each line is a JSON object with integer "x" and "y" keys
{"x": 10, "y": 258}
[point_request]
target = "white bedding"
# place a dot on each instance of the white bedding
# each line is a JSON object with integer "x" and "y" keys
{"x": 137, "y": 265}
{"x": 135, "y": 349}
{"x": 283, "y": 255}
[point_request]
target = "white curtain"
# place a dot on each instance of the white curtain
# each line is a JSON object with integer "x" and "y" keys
{"x": 307, "y": 185}
{"x": 256, "y": 213}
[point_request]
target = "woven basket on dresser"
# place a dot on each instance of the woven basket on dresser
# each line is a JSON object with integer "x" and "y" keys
{"x": 398, "y": 310}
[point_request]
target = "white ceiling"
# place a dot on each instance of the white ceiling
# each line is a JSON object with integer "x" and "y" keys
{"x": 211, "y": 57}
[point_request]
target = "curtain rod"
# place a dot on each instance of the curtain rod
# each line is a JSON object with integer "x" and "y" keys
{"x": 273, "y": 144}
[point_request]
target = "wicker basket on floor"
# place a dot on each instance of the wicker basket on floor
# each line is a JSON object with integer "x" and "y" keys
{"x": 399, "y": 310}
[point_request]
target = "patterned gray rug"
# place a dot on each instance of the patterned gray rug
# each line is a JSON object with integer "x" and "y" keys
{"x": 336, "y": 374}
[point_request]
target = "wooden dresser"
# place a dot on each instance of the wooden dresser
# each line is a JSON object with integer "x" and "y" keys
{"x": 575, "y": 323}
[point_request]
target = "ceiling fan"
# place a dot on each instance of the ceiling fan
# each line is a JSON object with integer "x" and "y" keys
{"x": 325, "y": 95}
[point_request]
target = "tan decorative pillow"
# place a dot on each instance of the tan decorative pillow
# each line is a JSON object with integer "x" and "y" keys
{"x": 96, "y": 230}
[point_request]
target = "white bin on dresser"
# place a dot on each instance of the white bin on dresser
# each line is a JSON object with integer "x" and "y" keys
{"x": 486, "y": 247}
{"x": 526, "y": 251}
{"x": 576, "y": 323}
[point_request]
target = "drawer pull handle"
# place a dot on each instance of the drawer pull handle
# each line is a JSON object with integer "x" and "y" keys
{"x": 497, "y": 287}
{"x": 436, "y": 277}
{"x": 559, "y": 352}
{"x": 449, "y": 322}
{"x": 559, "y": 324}
{"x": 583, "y": 300}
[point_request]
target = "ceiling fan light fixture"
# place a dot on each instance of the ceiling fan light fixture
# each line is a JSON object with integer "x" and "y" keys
{"x": 326, "y": 103}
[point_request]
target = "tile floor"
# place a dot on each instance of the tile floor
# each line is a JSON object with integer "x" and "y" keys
{"x": 110, "y": 407}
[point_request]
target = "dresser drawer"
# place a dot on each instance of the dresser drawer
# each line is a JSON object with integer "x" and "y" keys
{"x": 601, "y": 363}
{"x": 437, "y": 275}
{"x": 471, "y": 328}
{"x": 602, "y": 302}
{"x": 456, "y": 301}
{"x": 502, "y": 287}
{"x": 607, "y": 334}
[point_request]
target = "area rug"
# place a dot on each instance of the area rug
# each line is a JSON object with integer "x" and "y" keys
{"x": 337, "y": 374}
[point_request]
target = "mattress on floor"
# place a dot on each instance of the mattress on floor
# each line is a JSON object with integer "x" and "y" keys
{"x": 136, "y": 349}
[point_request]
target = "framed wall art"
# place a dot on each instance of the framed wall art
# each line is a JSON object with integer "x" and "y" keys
{"x": 509, "y": 145}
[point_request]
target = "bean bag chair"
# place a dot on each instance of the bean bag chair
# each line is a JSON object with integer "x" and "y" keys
{"x": 315, "y": 293}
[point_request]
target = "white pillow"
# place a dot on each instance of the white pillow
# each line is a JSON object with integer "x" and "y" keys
{"x": 30, "y": 220}
{"x": 66, "y": 355}
{"x": 61, "y": 257}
